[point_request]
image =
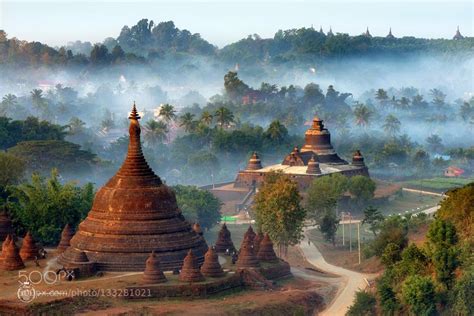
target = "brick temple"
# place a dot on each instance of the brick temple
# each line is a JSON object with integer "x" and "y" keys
{"x": 134, "y": 214}
{"x": 316, "y": 158}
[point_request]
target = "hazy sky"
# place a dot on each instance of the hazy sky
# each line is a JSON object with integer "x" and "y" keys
{"x": 223, "y": 21}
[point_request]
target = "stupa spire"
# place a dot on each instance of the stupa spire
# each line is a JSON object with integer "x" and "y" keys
{"x": 458, "y": 35}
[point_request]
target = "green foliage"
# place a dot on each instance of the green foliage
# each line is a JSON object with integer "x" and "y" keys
{"x": 13, "y": 132}
{"x": 462, "y": 295}
{"x": 392, "y": 230}
{"x": 278, "y": 211}
{"x": 459, "y": 209}
{"x": 198, "y": 205}
{"x": 324, "y": 193}
{"x": 442, "y": 241}
{"x": 45, "y": 155}
{"x": 328, "y": 225}
{"x": 12, "y": 170}
{"x": 44, "y": 206}
{"x": 374, "y": 218}
{"x": 391, "y": 254}
{"x": 362, "y": 188}
{"x": 364, "y": 305}
{"x": 419, "y": 295}
{"x": 388, "y": 300}
{"x": 234, "y": 87}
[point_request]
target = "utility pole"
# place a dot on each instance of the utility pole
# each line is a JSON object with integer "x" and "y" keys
{"x": 358, "y": 238}
{"x": 343, "y": 238}
{"x": 350, "y": 232}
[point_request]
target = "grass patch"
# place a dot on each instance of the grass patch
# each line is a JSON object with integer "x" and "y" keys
{"x": 439, "y": 184}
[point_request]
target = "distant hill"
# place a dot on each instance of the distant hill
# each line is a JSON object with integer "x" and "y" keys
{"x": 147, "y": 42}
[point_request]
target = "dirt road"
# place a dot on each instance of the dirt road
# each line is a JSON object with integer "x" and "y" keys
{"x": 352, "y": 281}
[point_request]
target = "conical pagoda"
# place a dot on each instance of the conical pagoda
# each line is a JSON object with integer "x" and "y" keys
{"x": 153, "y": 273}
{"x": 133, "y": 214}
{"x": 224, "y": 241}
{"x": 66, "y": 237}
{"x": 458, "y": 35}
{"x": 247, "y": 258}
{"x": 211, "y": 266}
{"x": 6, "y": 227}
{"x": 6, "y": 242}
{"x": 390, "y": 35}
{"x": 254, "y": 162}
{"x": 256, "y": 241}
{"x": 190, "y": 271}
{"x": 266, "y": 252}
{"x": 358, "y": 159}
{"x": 11, "y": 259}
{"x": 28, "y": 250}
{"x": 250, "y": 235}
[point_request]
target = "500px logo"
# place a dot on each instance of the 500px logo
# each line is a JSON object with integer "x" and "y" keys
{"x": 26, "y": 292}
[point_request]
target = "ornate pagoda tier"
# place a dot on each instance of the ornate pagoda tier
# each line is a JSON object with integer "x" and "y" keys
{"x": 318, "y": 141}
{"x": 224, "y": 241}
{"x": 133, "y": 215}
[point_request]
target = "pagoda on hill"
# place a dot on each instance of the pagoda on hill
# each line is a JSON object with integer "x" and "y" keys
{"x": 458, "y": 35}
{"x": 134, "y": 214}
{"x": 390, "y": 35}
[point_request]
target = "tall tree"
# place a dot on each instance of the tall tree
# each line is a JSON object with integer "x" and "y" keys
{"x": 278, "y": 211}
{"x": 223, "y": 116}
{"x": 276, "y": 132}
{"x": 362, "y": 115}
{"x": 187, "y": 121}
{"x": 392, "y": 125}
{"x": 168, "y": 113}
{"x": 206, "y": 118}
{"x": 9, "y": 102}
{"x": 374, "y": 218}
{"x": 155, "y": 132}
{"x": 39, "y": 102}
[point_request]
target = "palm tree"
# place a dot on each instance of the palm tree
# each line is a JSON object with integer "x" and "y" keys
{"x": 76, "y": 125}
{"x": 277, "y": 132}
{"x": 8, "y": 102}
{"x": 38, "y": 100}
{"x": 362, "y": 115}
{"x": 404, "y": 103}
{"x": 438, "y": 97}
{"x": 206, "y": 118}
{"x": 466, "y": 111}
{"x": 382, "y": 96}
{"x": 168, "y": 113}
{"x": 434, "y": 143}
{"x": 187, "y": 121}
{"x": 155, "y": 132}
{"x": 392, "y": 125}
{"x": 224, "y": 116}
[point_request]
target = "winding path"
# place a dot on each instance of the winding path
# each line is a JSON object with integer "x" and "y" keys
{"x": 352, "y": 281}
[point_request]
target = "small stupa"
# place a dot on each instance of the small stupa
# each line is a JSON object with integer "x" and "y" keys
{"x": 211, "y": 267}
{"x": 6, "y": 227}
{"x": 6, "y": 242}
{"x": 247, "y": 258}
{"x": 266, "y": 252}
{"x": 257, "y": 240}
{"x": 190, "y": 271}
{"x": 313, "y": 166}
{"x": 250, "y": 235}
{"x": 28, "y": 250}
{"x": 254, "y": 162}
{"x": 153, "y": 273}
{"x": 224, "y": 241}
{"x": 358, "y": 159}
{"x": 390, "y": 35}
{"x": 66, "y": 237}
{"x": 11, "y": 259}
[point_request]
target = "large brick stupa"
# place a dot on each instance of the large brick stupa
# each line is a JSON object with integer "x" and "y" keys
{"x": 133, "y": 215}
